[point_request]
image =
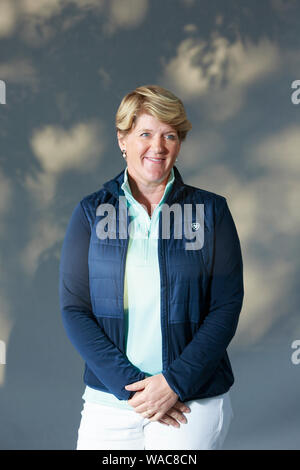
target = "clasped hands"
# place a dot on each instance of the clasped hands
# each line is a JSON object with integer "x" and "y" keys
{"x": 154, "y": 399}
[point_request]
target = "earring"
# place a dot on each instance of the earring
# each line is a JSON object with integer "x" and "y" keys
{"x": 124, "y": 155}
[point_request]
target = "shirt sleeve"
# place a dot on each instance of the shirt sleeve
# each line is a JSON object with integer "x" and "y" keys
{"x": 200, "y": 358}
{"x": 104, "y": 359}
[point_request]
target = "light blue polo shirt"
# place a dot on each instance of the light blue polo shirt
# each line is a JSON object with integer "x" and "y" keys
{"x": 141, "y": 294}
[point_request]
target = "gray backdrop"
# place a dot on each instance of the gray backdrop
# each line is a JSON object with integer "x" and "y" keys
{"x": 66, "y": 65}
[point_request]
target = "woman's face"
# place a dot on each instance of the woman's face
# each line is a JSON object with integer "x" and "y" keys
{"x": 152, "y": 147}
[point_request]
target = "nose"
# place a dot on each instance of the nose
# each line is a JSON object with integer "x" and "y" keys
{"x": 158, "y": 144}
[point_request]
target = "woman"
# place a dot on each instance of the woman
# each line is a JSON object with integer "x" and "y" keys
{"x": 151, "y": 310}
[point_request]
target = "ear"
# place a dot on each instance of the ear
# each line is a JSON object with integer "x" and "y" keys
{"x": 179, "y": 147}
{"x": 121, "y": 140}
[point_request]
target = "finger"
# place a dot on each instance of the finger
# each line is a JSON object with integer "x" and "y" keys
{"x": 182, "y": 407}
{"x": 143, "y": 408}
{"x": 138, "y": 400}
{"x": 169, "y": 421}
{"x": 156, "y": 416}
{"x": 177, "y": 415}
{"x": 148, "y": 414}
{"x": 162, "y": 422}
{"x": 136, "y": 385}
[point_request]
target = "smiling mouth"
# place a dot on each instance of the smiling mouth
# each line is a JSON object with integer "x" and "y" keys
{"x": 155, "y": 160}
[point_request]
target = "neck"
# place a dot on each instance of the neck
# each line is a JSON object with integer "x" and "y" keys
{"x": 147, "y": 195}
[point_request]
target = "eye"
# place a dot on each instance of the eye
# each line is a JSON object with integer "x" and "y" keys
{"x": 145, "y": 134}
{"x": 171, "y": 137}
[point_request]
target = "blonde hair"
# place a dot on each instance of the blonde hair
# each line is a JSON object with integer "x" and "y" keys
{"x": 154, "y": 100}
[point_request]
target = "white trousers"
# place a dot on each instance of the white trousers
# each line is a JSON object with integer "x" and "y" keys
{"x": 109, "y": 428}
